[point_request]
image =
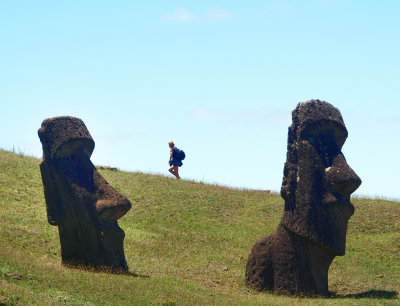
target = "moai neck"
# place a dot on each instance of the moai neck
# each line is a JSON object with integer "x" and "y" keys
{"x": 312, "y": 262}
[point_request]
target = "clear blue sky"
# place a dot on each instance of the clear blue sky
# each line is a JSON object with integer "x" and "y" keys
{"x": 220, "y": 78}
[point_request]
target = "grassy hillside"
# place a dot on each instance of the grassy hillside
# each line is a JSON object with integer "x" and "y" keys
{"x": 186, "y": 243}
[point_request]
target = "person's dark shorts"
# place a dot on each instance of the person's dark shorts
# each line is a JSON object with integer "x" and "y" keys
{"x": 176, "y": 162}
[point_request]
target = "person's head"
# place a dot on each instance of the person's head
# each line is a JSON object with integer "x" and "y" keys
{"x": 317, "y": 181}
{"x": 171, "y": 144}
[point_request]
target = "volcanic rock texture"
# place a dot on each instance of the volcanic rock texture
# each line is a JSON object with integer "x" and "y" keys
{"x": 78, "y": 199}
{"x": 316, "y": 187}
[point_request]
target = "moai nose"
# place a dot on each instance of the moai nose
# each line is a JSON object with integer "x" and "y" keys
{"x": 111, "y": 209}
{"x": 110, "y": 205}
{"x": 340, "y": 178}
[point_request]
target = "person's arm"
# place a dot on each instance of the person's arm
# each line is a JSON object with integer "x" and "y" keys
{"x": 170, "y": 155}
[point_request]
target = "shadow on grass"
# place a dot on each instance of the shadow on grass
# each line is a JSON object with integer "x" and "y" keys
{"x": 133, "y": 274}
{"x": 106, "y": 270}
{"x": 372, "y": 294}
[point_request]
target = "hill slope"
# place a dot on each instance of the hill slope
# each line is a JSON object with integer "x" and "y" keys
{"x": 186, "y": 243}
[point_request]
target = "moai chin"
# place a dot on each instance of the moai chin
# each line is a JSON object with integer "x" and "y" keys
{"x": 316, "y": 187}
{"x": 78, "y": 199}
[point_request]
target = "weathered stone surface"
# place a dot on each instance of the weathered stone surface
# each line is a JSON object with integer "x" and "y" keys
{"x": 316, "y": 187}
{"x": 78, "y": 199}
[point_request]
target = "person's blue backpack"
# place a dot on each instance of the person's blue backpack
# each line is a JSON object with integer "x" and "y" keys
{"x": 180, "y": 154}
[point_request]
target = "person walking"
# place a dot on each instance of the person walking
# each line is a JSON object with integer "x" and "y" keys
{"x": 174, "y": 160}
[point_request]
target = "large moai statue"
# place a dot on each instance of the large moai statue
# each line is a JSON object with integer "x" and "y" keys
{"x": 316, "y": 187}
{"x": 78, "y": 199}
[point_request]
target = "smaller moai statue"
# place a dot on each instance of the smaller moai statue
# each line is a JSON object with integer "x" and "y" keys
{"x": 316, "y": 187}
{"x": 78, "y": 199}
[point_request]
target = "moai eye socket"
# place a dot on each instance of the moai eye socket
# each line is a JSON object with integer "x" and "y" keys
{"x": 75, "y": 149}
{"x": 326, "y": 146}
{"x": 327, "y": 138}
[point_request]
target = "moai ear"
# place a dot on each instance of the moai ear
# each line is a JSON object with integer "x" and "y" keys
{"x": 43, "y": 140}
{"x": 53, "y": 202}
{"x": 288, "y": 188}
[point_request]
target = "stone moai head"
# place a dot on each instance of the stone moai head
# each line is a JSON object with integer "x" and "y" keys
{"x": 317, "y": 181}
{"x": 78, "y": 199}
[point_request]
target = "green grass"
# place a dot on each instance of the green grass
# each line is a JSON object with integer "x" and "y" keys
{"x": 186, "y": 243}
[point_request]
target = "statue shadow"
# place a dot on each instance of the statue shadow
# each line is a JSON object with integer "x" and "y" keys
{"x": 120, "y": 272}
{"x": 132, "y": 274}
{"x": 106, "y": 270}
{"x": 370, "y": 294}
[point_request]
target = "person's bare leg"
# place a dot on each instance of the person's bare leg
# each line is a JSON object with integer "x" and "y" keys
{"x": 174, "y": 171}
{"x": 171, "y": 170}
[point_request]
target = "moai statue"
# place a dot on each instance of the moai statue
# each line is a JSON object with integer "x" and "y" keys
{"x": 78, "y": 199}
{"x": 316, "y": 187}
